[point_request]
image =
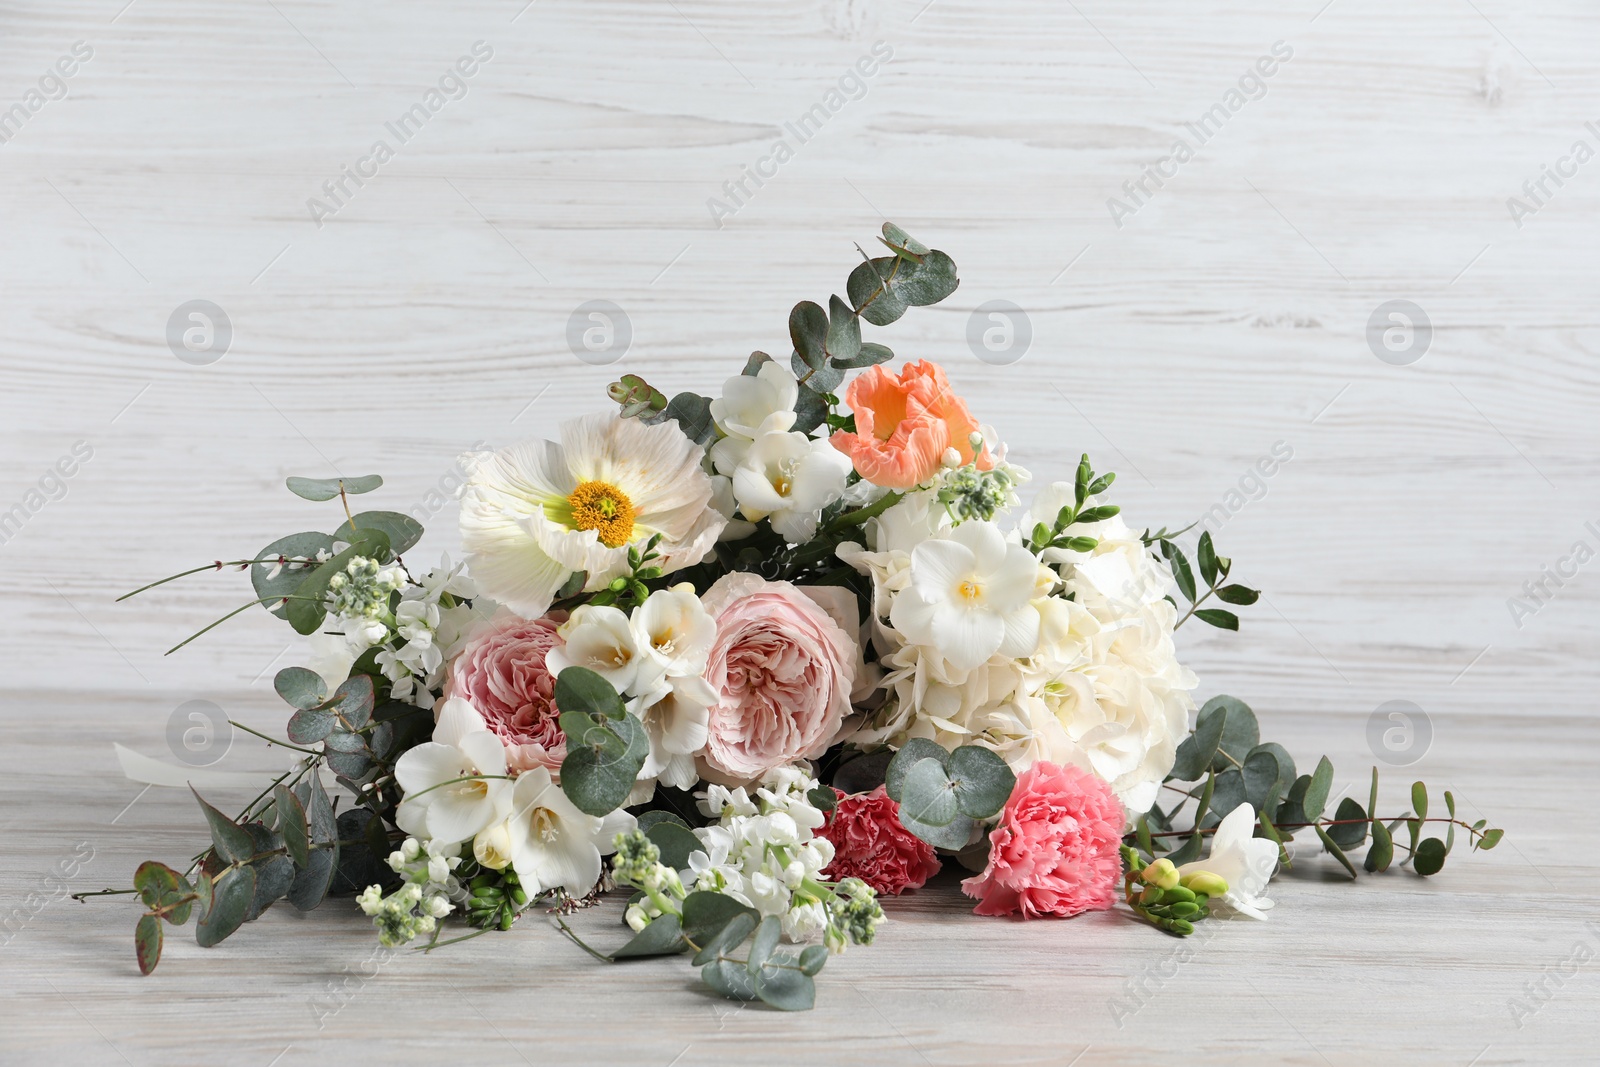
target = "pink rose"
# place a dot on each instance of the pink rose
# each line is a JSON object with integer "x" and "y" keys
{"x": 1057, "y": 848}
{"x": 870, "y": 843}
{"x": 782, "y": 669}
{"x": 500, "y": 671}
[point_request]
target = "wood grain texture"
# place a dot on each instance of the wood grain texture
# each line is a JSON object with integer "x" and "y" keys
{"x": 1228, "y": 314}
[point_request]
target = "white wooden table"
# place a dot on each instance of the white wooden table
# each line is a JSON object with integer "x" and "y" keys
{"x": 1226, "y": 314}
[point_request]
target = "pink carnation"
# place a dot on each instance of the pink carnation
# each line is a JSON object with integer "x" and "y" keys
{"x": 1056, "y": 850}
{"x": 870, "y": 843}
{"x": 500, "y": 671}
{"x": 782, "y": 669}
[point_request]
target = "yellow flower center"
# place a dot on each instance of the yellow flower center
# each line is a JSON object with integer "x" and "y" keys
{"x": 543, "y": 823}
{"x": 970, "y": 590}
{"x": 605, "y": 509}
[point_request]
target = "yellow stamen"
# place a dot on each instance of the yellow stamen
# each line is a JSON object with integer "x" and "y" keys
{"x": 605, "y": 509}
{"x": 970, "y": 590}
{"x": 543, "y": 822}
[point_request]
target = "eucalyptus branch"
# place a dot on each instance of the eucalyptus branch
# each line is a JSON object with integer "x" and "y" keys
{"x": 274, "y": 741}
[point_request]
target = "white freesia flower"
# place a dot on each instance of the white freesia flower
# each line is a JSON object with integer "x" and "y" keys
{"x": 675, "y": 718}
{"x": 602, "y": 639}
{"x": 535, "y": 513}
{"x": 752, "y": 405}
{"x": 1244, "y": 861}
{"x": 970, "y": 596}
{"x": 439, "y": 806}
{"x": 674, "y": 631}
{"x": 789, "y": 478}
{"x": 553, "y": 844}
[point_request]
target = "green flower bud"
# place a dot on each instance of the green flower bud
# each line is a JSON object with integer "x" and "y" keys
{"x": 1181, "y": 927}
{"x": 1205, "y": 882}
{"x": 1161, "y": 873}
{"x": 1184, "y": 910}
{"x": 1177, "y": 894}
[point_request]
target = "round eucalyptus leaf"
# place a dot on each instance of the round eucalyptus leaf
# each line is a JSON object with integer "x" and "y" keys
{"x": 927, "y": 794}
{"x": 580, "y": 689}
{"x": 328, "y": 488}
{"x": 912, "y": 752}
{"x": 273, "y": 580}
{"x": 981, "y": 780}
{"x": 782, "y": 985}
{"x": 300, "y": 687}
{"x": 402, "y": 530}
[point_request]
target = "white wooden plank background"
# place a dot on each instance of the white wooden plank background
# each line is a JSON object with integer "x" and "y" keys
{"x": 1228, "y": 314}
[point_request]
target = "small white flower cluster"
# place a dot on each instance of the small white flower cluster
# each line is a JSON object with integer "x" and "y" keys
{"x": 765, "y": 469}
{"x": 358, "y": 597}
{"x": 417, "y": 906}
{"x": 427, "y": 622}
{"x": 763, "y": 850}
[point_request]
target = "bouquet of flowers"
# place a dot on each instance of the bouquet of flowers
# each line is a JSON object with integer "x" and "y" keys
{"x": 762, "y": 659}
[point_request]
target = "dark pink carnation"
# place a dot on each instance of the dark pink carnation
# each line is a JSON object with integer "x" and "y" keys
{"x": 1056, "y": 850}
{"x": 500, "y": 671}
{"x": 870, "y": 843}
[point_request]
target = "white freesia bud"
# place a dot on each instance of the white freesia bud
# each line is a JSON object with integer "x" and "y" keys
{"x": 411, "y": 849}
{"x": 636, "y": 917}
{"x": 438, "y": 906}
{"x": 951, "y": 458}
{"x": 492, "y": 847}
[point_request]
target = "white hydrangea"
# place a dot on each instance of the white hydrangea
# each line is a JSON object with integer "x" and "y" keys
{"x": 763, "y": 850}
{"x": 1102, "y": 690}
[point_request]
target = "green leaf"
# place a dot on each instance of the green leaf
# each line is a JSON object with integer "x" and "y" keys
{"x": 766, "y": 939}
{"x": 274, "y": 878}
{"x": 1188, "y": 852}
{"x": 1222, "y": 620}
{"x": 869, "y": 355}
{"x": 310, "y": 726}
{"x": 810, "y": 409}
{"x": 1202, "y": 805}
{"x": 981, "y": 781}
{"x": 824, "y": 798}
{"x": 147, "y": 938}
{"x": 844, "y": 331}
{"x": 725, "y": 938}
{"x": 1290, "y": 811}
{"x": 1196, "y": 753}
{"x": 1430, "y": 857}
{"x": 292, "y": 825}
{"x": 812, "y": 958}
{"x": 311, "y": 882}
{"x": 328, "y": 488}
{"x": 911, "y": 753}
{"x": 1381, "y": 854}
{"x": 927, "y": 795}
{"x": 1337, "y": 852}
{"x": 706, "y": 913}
{"x": 1419, "y": 799}
{"x": 1316, "y": 797}
{"x": 402, "y": 530}
{"x": 1180, "y": 569}
{"x": 663, "y": 936}
{"x": 1229, "y": 793}
{"x": 869, "y": 281}
{"x": 730, "y": 979}
{"x": 269, "y": 586}
{"x": 1206, "y": 556}
{"x": 808, "y": 330}
{"x": 649, "y": 819}
{"x": 1283, "y": 776}
{"x": 580, "y": 689}
{"x": 1372, "y": 797}
{"x": 230, "y": 902}
{"x": 927, "y": 282}
{"x": 1352, "y": 834}
{"x": 1490, "y": 839}
{"x": 692, "y": 413}
{"x": 820, "y": 380}
{"x": 352, "y": 702}
{"x": 1240, "y": 730}
{"x": 305, "y": 611}
{"x": 782, "y": 985}
{"x": 599, "y": 771}
{"x": 232, "y": 841}
{"x": 1450, "y": 829}
{"x": 154, "y": 881}
{"x": 1238, "y": 594}
{"x": 675, "y": 842}
{"x": 900, "y": 241}
{"x": 954, "y": 835}
{"x": 300, "y": 687}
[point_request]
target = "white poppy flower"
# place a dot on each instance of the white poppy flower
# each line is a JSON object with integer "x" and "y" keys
{"x": 1244, "y": 861}
{"x": 462, "y": 747}
{"x": 970, "y": 596}
{"x": 790, "y": 478}
{"x": 553, "y": 844}
{"x": 536, "y": 512}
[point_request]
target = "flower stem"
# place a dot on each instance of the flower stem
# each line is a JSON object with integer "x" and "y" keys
{"x": 861, "y": 515}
